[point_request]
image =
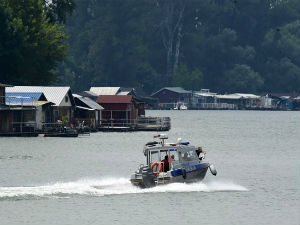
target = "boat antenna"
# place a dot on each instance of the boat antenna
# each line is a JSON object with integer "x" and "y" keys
{"x": 162, "y": 137}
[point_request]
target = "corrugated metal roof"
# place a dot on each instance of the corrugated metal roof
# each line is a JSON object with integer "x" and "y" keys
{"x": 114, "y": 99}
{"x": 19, "y": 97}
{"x": 285, "y": 97}
{"x": 105, "y": 90}
{"x": 5, "y": 85}
{"x": 33, "y": 104}
{"x": 205, "y": 94}
{"x": 88, "y": 94}
{"x": 85, "y": 108}
{"x": 179, "y": 90}
{"x": 129, "y": 90}
{"x": 247, "y": 95}
{"x": 230, "y": 96}
{"x": 53, "y": 94}
{"x": 124, "y": 93}
{"x": 88, "y": 102}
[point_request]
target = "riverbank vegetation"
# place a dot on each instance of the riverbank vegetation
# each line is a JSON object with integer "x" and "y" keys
{"x": 32, "y": 40}
{"x": 226, "y": 46}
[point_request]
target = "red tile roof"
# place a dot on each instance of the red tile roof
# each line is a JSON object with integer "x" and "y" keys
{"x": 114, "y": 99}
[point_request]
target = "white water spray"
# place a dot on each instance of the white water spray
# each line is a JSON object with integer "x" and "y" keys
{"x": 110, "y": 186}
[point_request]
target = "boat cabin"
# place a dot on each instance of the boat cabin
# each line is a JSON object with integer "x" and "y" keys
{"x": 182, "y": 154}
{"x": 161, "y": 168}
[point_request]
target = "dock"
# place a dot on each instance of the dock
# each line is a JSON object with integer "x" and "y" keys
{"x": 115, "y": 129}
{"x": 141, "y": 124}
{"x": 19, "y": 134}
{"x": 154, "y": 124}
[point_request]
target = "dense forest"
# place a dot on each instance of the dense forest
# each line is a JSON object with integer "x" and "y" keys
{"x": 32, "y": 41}
{"x": 224, "y": 45}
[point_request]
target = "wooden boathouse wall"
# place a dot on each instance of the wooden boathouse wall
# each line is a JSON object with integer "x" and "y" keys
{"x": 120, "y": 107}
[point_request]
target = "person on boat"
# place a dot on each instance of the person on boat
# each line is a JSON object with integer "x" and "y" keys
{"x": 185, "y": 156}
{"x": 172, "y": 158}
{"x": 165, "y": 163}
{"x": 199, "y": 151}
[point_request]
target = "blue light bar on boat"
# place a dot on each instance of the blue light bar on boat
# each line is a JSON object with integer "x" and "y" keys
{"x": 185, "y": 143}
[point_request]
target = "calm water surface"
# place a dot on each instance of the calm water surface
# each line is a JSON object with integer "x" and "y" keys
{"x": 85, "y": 180}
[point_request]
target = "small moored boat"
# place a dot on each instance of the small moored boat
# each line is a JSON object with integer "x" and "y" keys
{"x": 170, "y": 163}
{"x": 180, "y": 106}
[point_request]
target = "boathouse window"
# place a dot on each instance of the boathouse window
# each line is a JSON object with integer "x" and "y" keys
{"x": 66, "y": 99}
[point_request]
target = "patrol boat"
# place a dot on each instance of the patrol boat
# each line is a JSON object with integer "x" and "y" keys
{"x": 185, "y": 165}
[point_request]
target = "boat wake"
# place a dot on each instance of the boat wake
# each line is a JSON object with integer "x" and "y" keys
{"x": 108, "y": 186}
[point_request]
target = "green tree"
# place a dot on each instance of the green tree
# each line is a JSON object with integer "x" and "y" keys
{"x": 12, "y": 38}
{"x": 58, "y": 10}
{"x": 33, "y": 45}
{"x": 111, "y": 45}
{"x": 282, "y": 68}
{"x": 147, "y": 43}
{"x": 188, "y": 80}
{"x": 241, "y": 78}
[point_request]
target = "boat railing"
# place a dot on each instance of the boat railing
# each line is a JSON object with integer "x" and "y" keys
{"x": 90, "y": 122}
{"x": 23, "y": 127}
{"x": 117, "y": 123}
{"x": 216, "y": 106}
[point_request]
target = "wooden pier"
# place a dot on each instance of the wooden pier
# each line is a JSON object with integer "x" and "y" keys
{"x": 19, "y": 134}
{"x": 141, "y": 124}
{"x": 115, "y": 129}
{"x": 57, "y": 130}
{"x": 154, "y": 124}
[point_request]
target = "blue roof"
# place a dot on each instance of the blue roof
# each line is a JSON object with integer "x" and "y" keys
{"x": 24, "y": 96}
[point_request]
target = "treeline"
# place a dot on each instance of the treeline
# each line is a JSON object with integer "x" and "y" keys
{"x": 32, "y": 40}
{"x": 224, "y": 45}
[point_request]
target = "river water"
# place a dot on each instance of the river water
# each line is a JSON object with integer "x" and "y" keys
{"x": 85, "y": 180}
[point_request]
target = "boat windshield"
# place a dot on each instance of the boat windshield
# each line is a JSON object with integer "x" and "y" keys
{"x": 154, "y": 157}
{"x": 173, "y": 155}
{"x": 159, "y": 155}
{"x": 187, "y": 156}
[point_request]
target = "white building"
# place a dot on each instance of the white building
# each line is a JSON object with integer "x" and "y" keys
{"x": 61, "y": 97}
